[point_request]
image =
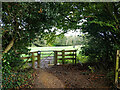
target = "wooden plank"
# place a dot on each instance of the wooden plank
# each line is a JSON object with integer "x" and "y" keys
{"x": 75, "y": 57}
{"x": 48, "y": 51}
{"x": 59, "y": 55}
{"x": 117, "y": 66}
{"x": 68, "y": 51}
{"x": 71, "y": 51}
{"x": 55, "y": 57}
{"x": 57, "y": 51}
{"x": 46, "y": 54}
{"x": 27, "y": 60}
{"x": 27, "y": 57}
{"x": 34, "y": 52}
{"x": 38, "y": 59}
{"x": 33, "y": 61}
{"x": 65, "y": 58}
{"x": 67, "y": 55}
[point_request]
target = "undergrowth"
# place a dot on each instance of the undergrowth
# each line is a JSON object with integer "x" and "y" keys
{"x": 17, "y": 79}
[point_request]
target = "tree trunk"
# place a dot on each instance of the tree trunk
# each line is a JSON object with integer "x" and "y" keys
{"x": 9, "y": 46}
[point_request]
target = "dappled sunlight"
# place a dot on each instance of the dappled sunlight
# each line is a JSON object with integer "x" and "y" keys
{"x": 68, "y": 45}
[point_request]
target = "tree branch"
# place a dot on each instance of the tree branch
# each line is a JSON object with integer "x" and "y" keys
{"x": 9, "y": 46}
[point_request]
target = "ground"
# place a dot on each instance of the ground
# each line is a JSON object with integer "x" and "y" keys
{"x": 47, "y": 80}
{"x": 69, "y": 76}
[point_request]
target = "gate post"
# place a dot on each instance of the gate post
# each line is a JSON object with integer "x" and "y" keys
{"x": 33, "y": 61}
{"x": 63, "y": 55}
{"x": 117, "y": 67}
{"x": 55, "y": 57}
{"x": 75, "y": 56}
{"x": 38, "y": 59}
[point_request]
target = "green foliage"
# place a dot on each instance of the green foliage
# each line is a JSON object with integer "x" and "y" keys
{"x": 103, "y": 32}
{"x": 16, "y": 80}
{"x": 82, "y": 58}
{"x": 11, "y": 78}
{"x": 67, "y": 40}
{"x": 68, "y": 62}
{"x": 11, "y": 60}
{"x": 25, "y": 66}
{"x": 110, "y": 75}
{"x": 25, "y": 22}
{"x": 92, "y": 69}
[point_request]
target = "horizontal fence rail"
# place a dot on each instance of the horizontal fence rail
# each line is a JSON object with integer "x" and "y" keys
{"x": 57, "y": 55}
{"x": 63, "y": 55}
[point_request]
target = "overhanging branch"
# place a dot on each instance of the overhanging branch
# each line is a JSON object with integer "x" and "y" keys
{"x": 9, "y": 46}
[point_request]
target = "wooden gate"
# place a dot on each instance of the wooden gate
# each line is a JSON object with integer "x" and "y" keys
{"x": 65, "y": 55}
{"x": 32, "y": 57}
{"x": 117, "y": 70}
{"x": 62, "y": 55}
{"x": 38, "y": 56}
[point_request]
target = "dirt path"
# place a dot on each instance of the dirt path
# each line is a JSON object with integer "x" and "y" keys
{"x": 68, "y": 77}
{"x": 47, "y": 80}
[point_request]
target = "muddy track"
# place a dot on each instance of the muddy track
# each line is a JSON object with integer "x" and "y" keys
{"x": 47, "y": 80}
{"x": 68, "y": 76}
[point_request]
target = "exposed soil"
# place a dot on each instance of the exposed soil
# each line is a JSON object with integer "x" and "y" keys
{"x": 47, "y": 80}
{"x": 69, "y": 76}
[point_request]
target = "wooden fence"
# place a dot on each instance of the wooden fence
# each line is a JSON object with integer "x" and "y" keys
{"x": 62, "y": 53}
{"x": 32, "y": 57}
{"x": 117, "y": 70}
